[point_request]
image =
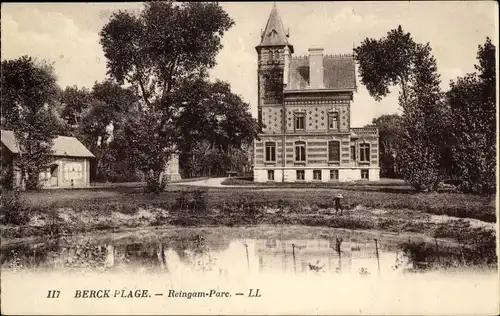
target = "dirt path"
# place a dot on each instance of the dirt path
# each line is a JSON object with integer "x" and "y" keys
{"x": 217, "y": 183}
{"x": 213, "y": 183}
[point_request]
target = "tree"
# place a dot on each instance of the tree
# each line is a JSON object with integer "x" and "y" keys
{"x": 397, "y": 60}
{"x": 472, "y": 104}
{"x": 158, "y": 52}
{"x": 28, "y": 92}
{"x": 389, "y": 127}
{"x": 216, "y": 119}
{"x": 97, "y": 116}
{"x": 75, "y": 101}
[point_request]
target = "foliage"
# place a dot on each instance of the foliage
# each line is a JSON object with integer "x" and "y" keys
{"x": 29, "y": 92}
{"x": 75, "y": 101}
{"x": 13, "y": 210}
{"x": 390, "y": 131}
{"x": 159, "y": 52}
{"x": 102, "y": 128}
{"x": 472, "y": 105}
{"x": 398, "y": 60}
{"x": 215, "y": 127}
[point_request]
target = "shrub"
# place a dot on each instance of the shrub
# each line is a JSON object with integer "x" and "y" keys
{"x": 13, "y": 210}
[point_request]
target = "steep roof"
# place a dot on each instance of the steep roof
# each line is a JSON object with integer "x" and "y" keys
{"x": 339, "y": 73}
{"x": 274, "y": 34}
{"x": 63, "y": 145}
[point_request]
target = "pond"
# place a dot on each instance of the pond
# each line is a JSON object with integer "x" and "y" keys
{"x": 333, "y": 269}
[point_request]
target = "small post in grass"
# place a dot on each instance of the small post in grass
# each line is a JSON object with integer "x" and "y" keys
{"x": 376, "y": 253}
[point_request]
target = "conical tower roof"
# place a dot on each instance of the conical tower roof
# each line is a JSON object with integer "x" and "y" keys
{"x": 274, "y": 34}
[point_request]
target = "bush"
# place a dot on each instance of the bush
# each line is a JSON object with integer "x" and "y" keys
{"x": 13, "y": 210}
{"x": 155, "y": 184}
{"x": 7, "y": 178}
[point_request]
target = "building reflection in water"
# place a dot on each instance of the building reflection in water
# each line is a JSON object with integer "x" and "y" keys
{"x": 223, "y": 257}
{"x": 320, "y": 255}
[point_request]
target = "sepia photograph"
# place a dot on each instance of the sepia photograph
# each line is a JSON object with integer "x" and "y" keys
{"x": 249, "y": 158}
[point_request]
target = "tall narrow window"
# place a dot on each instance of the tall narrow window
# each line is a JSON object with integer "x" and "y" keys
{"x": 333, "y": 150}
{"x": 299, "y": 121}
{"x": 334, "y": 174}
{"x": 365, "y": 175}
{"x": 270, "y": 175}
{"x": 353, "y": 152}
{"x": 300, "y": 151}
{"x": 317, "y": 174}
{"x": 364, "y": 152}
{"x": 333, "y": 121}
{"x": 270, "y": 152}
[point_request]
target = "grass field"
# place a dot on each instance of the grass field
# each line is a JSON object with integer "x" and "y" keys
{"x": 376, "y": 196}
{"x": 334, "y": 184}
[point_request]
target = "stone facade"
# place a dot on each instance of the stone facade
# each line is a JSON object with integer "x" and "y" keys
{"x": 304, "y": 103}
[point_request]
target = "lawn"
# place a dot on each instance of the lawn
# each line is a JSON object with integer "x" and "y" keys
{"x": 375, "y": 196}
{"x": 334, "y": 184}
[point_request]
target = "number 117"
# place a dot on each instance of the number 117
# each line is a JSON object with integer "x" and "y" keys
{"x": 53, "y": 294}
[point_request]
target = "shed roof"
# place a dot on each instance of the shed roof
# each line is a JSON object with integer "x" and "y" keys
{"x": 339, "y": 73}
{"x": 63, "y": 145}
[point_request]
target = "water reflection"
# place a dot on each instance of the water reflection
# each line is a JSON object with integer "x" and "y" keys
{"x": 223, "y": 256}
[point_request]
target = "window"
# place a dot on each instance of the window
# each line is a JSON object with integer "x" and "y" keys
{"x": 276, "y": 56}
{"x": 353, "y": 153}
{"x": 333, "y": 150}
{"x": 270, "y": 175}
{"x": 270, "y": 151}
{"x": 300, "y": 175}
{"x": 333, "y": 121}
{"x": 334, "y": 174}
{"x": 317, "y": 174}
{"x": 299, "y": 121}
{"x": 300, "y": 151}
{"x": 364, "y": 152}
{"x": 365, "y": 174}
{"x": 73, "y": 171}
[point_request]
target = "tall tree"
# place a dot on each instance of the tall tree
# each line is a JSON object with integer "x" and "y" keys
{"x": 28, "y": 93}
{"x": 397, "y": 60}
{"x": 157, "y": 52}
{"x": 472, "y": 104}
{"x": 420, "y": 149}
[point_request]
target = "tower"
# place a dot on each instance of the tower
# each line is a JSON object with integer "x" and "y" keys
{"x": 273, "y": 52}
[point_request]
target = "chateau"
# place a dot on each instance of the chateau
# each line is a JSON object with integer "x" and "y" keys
{"x": 304, "y": 104}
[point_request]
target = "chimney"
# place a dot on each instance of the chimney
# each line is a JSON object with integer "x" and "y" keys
{"x": 316, "y": 68}
{"x": 286, "y": 71}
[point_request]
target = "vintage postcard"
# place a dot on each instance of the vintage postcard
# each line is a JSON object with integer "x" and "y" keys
{"x": 241, "y": 158}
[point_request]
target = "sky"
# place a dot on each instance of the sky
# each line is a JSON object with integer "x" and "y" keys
{"x": 67, "y": 35}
